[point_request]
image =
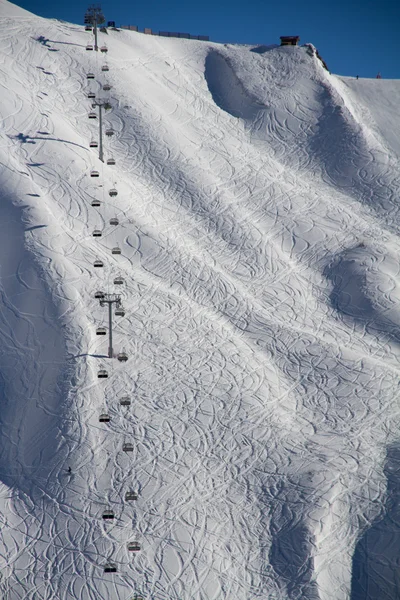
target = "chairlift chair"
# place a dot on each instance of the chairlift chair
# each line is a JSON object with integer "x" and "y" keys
{"x": 122, "y": 357}
{"x": 92, "y": 115}
{"x": 119, "y": 312}
{"x": 94, "y": 173}
{"x": 113, "y": 192}
{"x": 119, "y": 281}
{"x": 101, "y": 331}
{"x": 116, "y": 250}
{"x": 91, "y": 95}
{"x": 105, "y": 68}
{"x": 133, "y": 546}
{"x": 104, "y": 49}
{"x": 102, "y": 374}
{"x": 131, "y": 495}
{"x": 88, "y": 28}
{"x": 93, "y": 144}
{"x": 104, "y": 418}
{"x": 97, "y": 233}
{"x": 114, "y": 221}
{"x": 108, "y": 515}
{"x": 99, "y": 295}
{"x": 110, "y": 568}
{"x": 127, "y": 447}
{"x": 111, "y": 161}
{"x": 98, "y": 263}
{"x": 109, "y": 132}
{"x": 90, "y": 76}
{"x": 96, "y": 203}
{"x": 89, "y": 47}
{"x": 125, "y": 401}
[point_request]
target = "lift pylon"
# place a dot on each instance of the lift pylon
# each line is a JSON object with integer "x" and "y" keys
{"x": 110, "y": 299}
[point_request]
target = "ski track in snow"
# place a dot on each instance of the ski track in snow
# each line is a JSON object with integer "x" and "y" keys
{"x": 257, "y": 206}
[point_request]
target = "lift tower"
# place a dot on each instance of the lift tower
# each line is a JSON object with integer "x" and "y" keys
{"x": 94, "y": 16}
{"x": 110, "y": 299}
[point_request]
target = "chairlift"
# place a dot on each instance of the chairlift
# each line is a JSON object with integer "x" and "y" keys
{"x": 133, "y": 546}
{"x": 125, "y": 401}
{"x": 116, "y": 250}
{"x": 109, "y": 132}
{"x": 94, "y": 173}
{"x": 96, "y": 203}
{"x": 97, "y": 233}
{"x": 89, "y": 47}
{"x": 102, "y": 374}
{"x": 99, "y": 295}
{"x": 93, "y": 144}
{"x": 98, "y": 263}
{"x": 108, "y": 515}
{"x": 106, "y": 87}
{"x": 104, "y": 49}
{"x": 114, "y": 221}
{"x": 119, "y": 281}
{"x": 101, "y": 331}
{"x": 105, "y": 68}
{"x": 122, "y": 357}
{"x": 110, "y": 568}
{"x": 119, "y": 312}
{"x": 90, "y": 76}
{"x": 127, "y": 447}
{"x": 111, "y": 161}
{"x": 104, "y": 418}
{"x": 91, "y": 95}
{"x": 92, "y": 115}
{"x": 88, "y": 28}
{"x": 131, "y": 495}
{"x": 113, "y": 192}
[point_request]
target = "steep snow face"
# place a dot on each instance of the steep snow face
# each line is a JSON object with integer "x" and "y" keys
{"x": 257, "y": 220}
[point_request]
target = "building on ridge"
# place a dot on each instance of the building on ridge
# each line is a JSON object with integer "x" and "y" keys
{"x": 289, "y": 40}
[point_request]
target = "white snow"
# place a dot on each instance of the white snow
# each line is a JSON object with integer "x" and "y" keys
{"x": 258, "y": 225}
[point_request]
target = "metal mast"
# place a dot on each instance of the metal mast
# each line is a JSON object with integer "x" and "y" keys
{"x": 110, "y": 299}
{"x": 106, "y": 105}
{"x": 94, "y": 16}
{"x": 101, "y": 156}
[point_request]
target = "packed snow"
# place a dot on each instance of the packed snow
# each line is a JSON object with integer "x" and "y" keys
{"x": 258, "y": 223}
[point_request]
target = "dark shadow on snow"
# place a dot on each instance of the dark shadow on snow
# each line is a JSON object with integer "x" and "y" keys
{"x": 263, "y": 49}
{"x": 35, "y": 227}
{"x": 227, "y": 90}
{"x": 349, "y": 296}
{"x": 28, "y": 139}
{"x": 291, "y": 558}
{"x": 376, "y": 560}
{"x": 45, "y": 42}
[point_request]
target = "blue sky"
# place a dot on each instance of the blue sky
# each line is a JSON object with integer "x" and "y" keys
{"x": 353, "y": 36}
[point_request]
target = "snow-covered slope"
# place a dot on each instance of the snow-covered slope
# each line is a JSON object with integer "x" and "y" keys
{"x": 258, "y": 227}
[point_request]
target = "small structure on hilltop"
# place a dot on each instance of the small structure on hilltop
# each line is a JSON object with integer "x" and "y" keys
{"x": 290, "y": 40}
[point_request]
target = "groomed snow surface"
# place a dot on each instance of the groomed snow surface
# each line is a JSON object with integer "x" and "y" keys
{"x": 258, "y": 223}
